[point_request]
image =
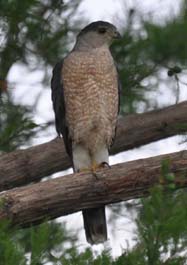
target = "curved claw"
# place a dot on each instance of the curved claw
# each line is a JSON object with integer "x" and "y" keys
{"x": 104, "y": 165}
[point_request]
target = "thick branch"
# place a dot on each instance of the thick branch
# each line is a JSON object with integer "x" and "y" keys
{"x": 24, "y": 166}
{"x": 53, "y": 198}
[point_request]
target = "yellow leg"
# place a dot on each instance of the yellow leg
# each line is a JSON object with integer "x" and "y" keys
{"x": 94, "y": 166}
{"x": 84, "y": 170}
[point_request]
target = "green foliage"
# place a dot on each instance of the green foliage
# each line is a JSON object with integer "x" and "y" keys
{"x": 129, "y": 54}
{"x": 35, "y": 245}
{"x": 143, "y": 53}
{"x": 162, "y": 46}
{"x": 167, "y": 178}
{"x": 10, "y": 252}
{"x": 16, "y": 125}
{"x": 162, "y": 227}
{"x": 161, "y": 237}
{"x": 33, "y": 28}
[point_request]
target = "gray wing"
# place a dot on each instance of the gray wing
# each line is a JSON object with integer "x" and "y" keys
{"x": 59, "y": 106}
{"x": 119, "y": 95}
{"x": 119, "y": 89}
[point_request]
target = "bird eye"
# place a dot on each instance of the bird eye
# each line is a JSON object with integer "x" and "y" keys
{"x": 102, "y": 30}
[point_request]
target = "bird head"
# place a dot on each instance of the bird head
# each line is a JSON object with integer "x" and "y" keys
{"x": 97, "y": 34}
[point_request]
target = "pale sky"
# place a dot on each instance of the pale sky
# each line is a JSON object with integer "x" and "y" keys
{"x": 114, "y": 10}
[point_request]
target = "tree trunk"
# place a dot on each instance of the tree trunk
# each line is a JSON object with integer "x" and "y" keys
{"x": 56, "y": 197}
{"x": 24, "y": 166}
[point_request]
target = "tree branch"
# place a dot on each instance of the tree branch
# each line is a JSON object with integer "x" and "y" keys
{"x": 61, "y": 196}
{"x": 24, "y": 166}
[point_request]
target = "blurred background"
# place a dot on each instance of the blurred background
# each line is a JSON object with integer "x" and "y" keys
{"x": 151, "y": 59}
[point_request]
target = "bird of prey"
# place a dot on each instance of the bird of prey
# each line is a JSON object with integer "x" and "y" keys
{"x": 85, "y": 95}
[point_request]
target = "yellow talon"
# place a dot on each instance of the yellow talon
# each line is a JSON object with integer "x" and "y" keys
{"x": 98, "y": 166}
{"x": 94, "y": 167}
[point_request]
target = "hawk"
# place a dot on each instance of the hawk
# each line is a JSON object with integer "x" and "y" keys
{"x": 85, "y": 95}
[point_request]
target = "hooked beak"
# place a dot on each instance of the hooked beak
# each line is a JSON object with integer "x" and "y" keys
{"x": 117, "y": 35}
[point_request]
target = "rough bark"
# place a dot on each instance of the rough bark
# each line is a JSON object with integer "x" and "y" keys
{"x": 24, "y": 166}
{"x": 53, "y": 198}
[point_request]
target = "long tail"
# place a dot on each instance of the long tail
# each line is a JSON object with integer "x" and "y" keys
{"x": 95, "y": 225}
